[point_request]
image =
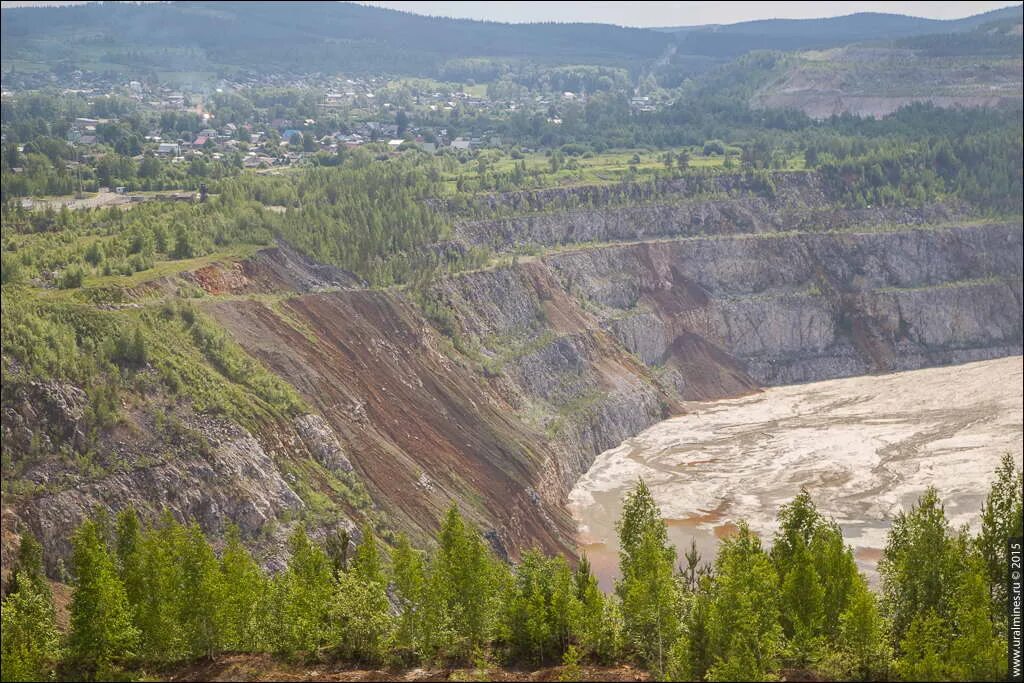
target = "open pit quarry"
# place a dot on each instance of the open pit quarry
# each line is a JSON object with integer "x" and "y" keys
{"x": 620, "y": 311}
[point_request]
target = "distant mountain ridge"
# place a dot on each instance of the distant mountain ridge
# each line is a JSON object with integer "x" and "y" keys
{"x": 310, "y": 36}
{"x": 853, "y": 25}
{"x": 730, "y": 40}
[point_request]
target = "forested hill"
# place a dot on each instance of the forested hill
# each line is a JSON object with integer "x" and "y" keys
{"x": 308, "y": 37}
{"x": 305, "y": 37}
{"x": 802, "y": 34}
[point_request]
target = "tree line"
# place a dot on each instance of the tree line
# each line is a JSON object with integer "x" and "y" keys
{"x": 152, "y": 594}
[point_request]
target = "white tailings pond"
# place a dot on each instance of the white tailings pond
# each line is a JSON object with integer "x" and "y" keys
{"x": 865, "y": 448}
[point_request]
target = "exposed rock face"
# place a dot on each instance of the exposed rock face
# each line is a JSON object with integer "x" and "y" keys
{"x": 876, "y": 81}
{"x": 559, "y": 357}
{"x": 322, "y": 442}
{"x": 420, "y": 428}
{"x": 688, "y": 207}
{"x": 713, "y": 290}
{"x": 158, "y": 456}
{"x": 277, "y": 269}
{"x": 43, "y": 415}
{"x": 233, "y": 480}
{"x": 808, "y": 307}
{"x": 297, "y": 272}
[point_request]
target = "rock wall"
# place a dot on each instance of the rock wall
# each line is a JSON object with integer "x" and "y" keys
{"x": 689, "y": 207}
{"x": 547, "y": 362}
{"x": 799, "y": 308}
{"x": 495, "y": 389}
{"x": 158, "y": 456}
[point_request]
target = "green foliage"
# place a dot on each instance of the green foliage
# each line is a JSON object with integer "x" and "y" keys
{"x": 361, "y": 616}
{"x": 743, "y": 615}
{"x": 130, "y": 348}
{"x": 28, "y": 567}
{"x": 922, "y": 567}
{"x": 102, "y": 634}
{"x": 29, "y": 641}
{"x": 200, "y": 615}
{"x": 30, "y": 648}
{"x": 153, "y": 581}
{"x": 72, "y": 277}
{"x": 149, "y": 354}
{"x": 640, "y": 516}
{"x": 977, "y": 651}
{"x": 410, "y": 582}
{"x": 861, "y": 650}
{"x": 245, "y": 600}
{"x": 1001, "y": 520}
{"x": 981, "y": 166}
{"x": 598, "y": 629}
{"x": 541, "y": 609}
{"x": 463, "y": 591}
{"x": 360, "y": 611}
{"x": 924, "y": 649}
{"x": 366, "y": 565}
{"x": 302, "y": 599}
{"x": 802, "y": 607}
{"x": 692, "y": 655}
{"x": 816, "y": 571}
{"x": 571, "y": 670}
{"x": 154, "y": 594}
{"x": 648, "y": 589}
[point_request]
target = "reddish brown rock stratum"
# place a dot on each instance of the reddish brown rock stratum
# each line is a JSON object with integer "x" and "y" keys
{"x": 495, "y": 389}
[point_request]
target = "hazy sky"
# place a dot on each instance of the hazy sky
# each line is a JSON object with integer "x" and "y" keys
{"x": 662, "y": 13}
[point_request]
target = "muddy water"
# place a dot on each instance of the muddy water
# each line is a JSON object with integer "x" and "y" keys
{"x": 864, "y": 447}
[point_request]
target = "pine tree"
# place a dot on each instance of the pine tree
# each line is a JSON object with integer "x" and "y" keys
{"x": 977, "y": 652}
{"x": 1001, "y": 520}
{"x": 366, "y": 564}
{"x": 154, "y": 586}
{"x": 813, "y": 547}
{"x": 837, "y": 572}
{"x": 361, "y": 616}
{"x": 29, "y": 641}
{"x": 798, "y": 522}
{"x": 201, "y": 610}
{"x": 678, "y": 664}
{"x": 596, "y": 631}
{"x": 648, "y": 588}
{"x": 302, "y": 598}
{"x": 740, "y": 663}
{"x": 28, "y": 566}
{"x": 802, "y": 606}
{"x": 410, "y": 588}
{"x": 698, "y": 636}
{"x": 102, "y": 633}
{"x": 128, "y": 548}
{"x": 462, "y": 590}
{"x": 245, "y": 597}
{"x": 541, "y": 608}
{"x": 922, "y": 564}
{"x": 924, "y": 649}
{"x": 640, "y": 515}
{"x": 743, "y": 616}
{"x": 861, "y": 650}
{"x": 566, "y": 610}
